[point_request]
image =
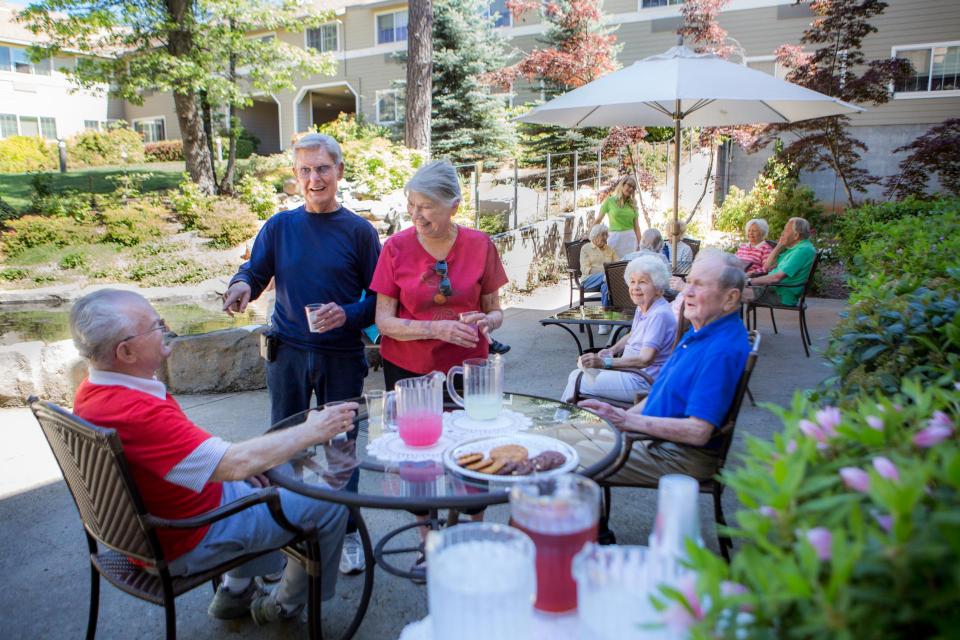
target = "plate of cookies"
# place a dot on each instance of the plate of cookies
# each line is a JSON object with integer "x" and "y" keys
{"x": 511, "y": 458}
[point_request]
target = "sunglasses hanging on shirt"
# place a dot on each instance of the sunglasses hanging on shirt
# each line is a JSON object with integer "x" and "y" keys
{"x": 444, "y": 289}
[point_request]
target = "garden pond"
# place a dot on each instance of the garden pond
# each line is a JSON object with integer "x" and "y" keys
{"x": 47, "y": 323}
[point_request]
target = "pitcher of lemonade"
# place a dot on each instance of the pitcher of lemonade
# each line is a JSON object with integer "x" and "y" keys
{"x": 420, "y": 409}
{"x": 482, "y": 387}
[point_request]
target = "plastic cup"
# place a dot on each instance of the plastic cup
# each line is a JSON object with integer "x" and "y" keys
{"x": 677, "y": 515}
{"x": 312, "y": 310}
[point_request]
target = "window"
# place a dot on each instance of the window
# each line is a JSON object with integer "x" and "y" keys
{"x": 392, "y": 27}
{"x": 323, "y": 38}
{"x": 29, "y": 126}
{"x": 91, "y": 125}
{"x": 152, "y": 129}
{"x": 649, "y": 4}
{"x": 48, "y": 128}
{"x": 935, "y": 68}
{"x": 15, "y": 59}
{"x": 768, "y": 66}
{"x": 8, "y": 125}
{"x": 497, "y": 9}
{"x": 389, "y": 105}
{"x": 4, "y": 58}
{"x": 62, "y": 64}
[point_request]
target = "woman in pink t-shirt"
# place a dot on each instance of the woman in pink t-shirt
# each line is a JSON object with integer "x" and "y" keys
{"x": 755, "y": 251}
{"x": 437, "y": 283}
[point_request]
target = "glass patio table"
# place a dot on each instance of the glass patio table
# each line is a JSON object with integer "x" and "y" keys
{"x": 427, "y": 486}
{"x": 587, "y": 317}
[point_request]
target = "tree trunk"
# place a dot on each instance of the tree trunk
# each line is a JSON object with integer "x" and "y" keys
{"x": 208, "y": 132}
{"x": 706, "y": 185}
{"x": 233, "y": 127}
{"x": 195, "y": 151}
{"x": 419, "y": 74}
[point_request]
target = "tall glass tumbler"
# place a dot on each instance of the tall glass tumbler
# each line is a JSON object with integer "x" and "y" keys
{"x": 480, "y": 582}
{"x": 678, "y": 517}
{"x": 560, "y": 514}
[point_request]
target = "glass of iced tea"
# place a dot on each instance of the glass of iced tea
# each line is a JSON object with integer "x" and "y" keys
{"x": 560, "y": 514}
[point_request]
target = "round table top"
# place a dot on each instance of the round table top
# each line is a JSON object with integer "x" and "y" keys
{"x": 323, "y": 471}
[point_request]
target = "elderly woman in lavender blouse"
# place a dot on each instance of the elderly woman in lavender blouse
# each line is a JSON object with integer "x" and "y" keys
{"x": 644, "y": 350}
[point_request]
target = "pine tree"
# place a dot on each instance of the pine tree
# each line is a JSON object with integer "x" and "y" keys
{"x": 469, "y": 122}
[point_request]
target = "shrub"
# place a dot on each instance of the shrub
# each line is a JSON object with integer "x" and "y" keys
{"x": 346, "y": 127}
{"x": 189, "y": 203}
{"x": 36, "y": 231}
{"x": 133, "y": 224}
{"x": 493, "y": 223}
{"x": 162, "y": 270}
{"x": 259, "y": 196}
{"x": 7, "y": 212}
{"x": 776, "y": 202}
{"x": 273, "y": 169}
{"x": 73, "y": 260}
{"x": 19, "y": 154}
{"x": 13, "y": 273}
{"x": 227, "y": 222}
{"x": 96, "y": 148}
{"x": 69, "y": 204}
{"x": 856, "y": 226}
{"x": 163, "y": 151}
{"x": 376, "y": 166}
{"x": 850, "y": 527}
{"x": 247, "y": 144}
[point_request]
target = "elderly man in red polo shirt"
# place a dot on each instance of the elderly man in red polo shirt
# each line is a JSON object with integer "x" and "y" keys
{"x": 182, "y": 471}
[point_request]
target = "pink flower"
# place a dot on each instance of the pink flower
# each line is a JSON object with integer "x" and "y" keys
{"x": 769, "y": 512}
{"x": 940, "y": 419}
{"x": 820, "y": 539}
{"x": 856, "y": 479}
{"x": 898, "y": 406}
{"x": 731, "y": 589}
{"x": 956, "y": 385}
{"x": 931, "y": 436}
{"x": 875, "y": 423}
{"x": 812, "y": 430}
{"x": 885, "y": 521}
{"x": 679, "y": 618}
{"x": 881, "y": 408}
{"x": 829, "y": 419}
{"x": 886, "y": 469}
{"x": 791, "y": 446}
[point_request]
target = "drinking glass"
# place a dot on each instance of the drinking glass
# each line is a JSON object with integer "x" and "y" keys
{"x": 480, "y": 582}
{"x": 374, "y": 399}
{"x": 420, "y": 409}
{"x": 678, "y": 517}
{"x": 482, "y": 387}
{"x": 560, "y": 514}
{"x": 311, "y": 310}
{"x": 467, "y": 314}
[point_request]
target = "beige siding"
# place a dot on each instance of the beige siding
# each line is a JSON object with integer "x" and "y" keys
{"x": 156, "y": 106}
{"x": 261, "y": 119}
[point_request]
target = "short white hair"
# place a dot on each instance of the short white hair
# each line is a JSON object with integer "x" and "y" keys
{"x": 761, "y": 224}
{"x": 98, "y": 323}
{"x": 652, "y": 266}
{"x": 652, "y": 240}
{"x": 597, "y": 230}
{"x": 437, "y": 181}
{"x": 320, "y": 141}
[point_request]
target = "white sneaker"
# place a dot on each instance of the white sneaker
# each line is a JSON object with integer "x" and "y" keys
{"x": 351, "y": 558}
{"x": 603, "y": 330}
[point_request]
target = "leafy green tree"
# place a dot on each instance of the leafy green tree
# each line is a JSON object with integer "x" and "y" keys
{"x": 469, "y": 122}
{"x": 193, "y": 49}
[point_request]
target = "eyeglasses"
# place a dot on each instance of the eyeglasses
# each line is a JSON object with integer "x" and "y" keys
{"x": 161, "y": 326}
{"x": 322, "y": 170}
{"x": 444, "y": 290}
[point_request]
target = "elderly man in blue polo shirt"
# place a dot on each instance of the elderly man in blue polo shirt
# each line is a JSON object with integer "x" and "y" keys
{"x": 694, "y": 391}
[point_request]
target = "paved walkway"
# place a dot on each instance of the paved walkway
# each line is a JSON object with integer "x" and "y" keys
{"x": 43, "y": 559}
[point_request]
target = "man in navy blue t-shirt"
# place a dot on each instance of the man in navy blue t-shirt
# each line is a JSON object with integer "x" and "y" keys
{"x": 695, "y": 389}
{"x": 320, "y": 253}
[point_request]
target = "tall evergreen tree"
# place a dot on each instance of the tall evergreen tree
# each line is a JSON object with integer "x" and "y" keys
{"x": 469, "y": 122}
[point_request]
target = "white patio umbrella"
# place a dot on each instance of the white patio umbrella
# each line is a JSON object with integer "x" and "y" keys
{"x": 683, "y": 88}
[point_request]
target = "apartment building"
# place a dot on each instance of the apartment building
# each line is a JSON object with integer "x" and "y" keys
{"x": 38, "y": 99}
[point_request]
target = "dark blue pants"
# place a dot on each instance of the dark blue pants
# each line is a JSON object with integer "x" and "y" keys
{"x": 296, "y": 375}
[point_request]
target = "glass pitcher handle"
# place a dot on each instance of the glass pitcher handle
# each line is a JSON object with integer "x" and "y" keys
{"x": 450, "y": 390}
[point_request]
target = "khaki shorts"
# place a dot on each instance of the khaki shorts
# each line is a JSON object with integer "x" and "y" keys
{"x": 650, "y": 460}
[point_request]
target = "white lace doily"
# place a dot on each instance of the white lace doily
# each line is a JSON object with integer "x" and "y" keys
{"x": 390, "y": 448}
{"x": 544, "y": 627}
{"x": 460, "y": 427}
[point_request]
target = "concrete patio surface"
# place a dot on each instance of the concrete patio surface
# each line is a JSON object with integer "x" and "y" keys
{"x": 43, "y": 558}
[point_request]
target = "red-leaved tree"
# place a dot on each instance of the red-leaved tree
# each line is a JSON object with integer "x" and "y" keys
{"x": 936, "y": 152}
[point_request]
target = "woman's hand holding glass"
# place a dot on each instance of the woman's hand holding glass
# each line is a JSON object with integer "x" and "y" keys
{"x": 479, "y": 320}
{"x": 455, "y": 332}
{"x": 332, "y": 420}
{"x": 594, "y": 360}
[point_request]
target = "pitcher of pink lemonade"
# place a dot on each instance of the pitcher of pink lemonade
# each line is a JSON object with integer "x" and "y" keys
{"x": 420, "y": 409}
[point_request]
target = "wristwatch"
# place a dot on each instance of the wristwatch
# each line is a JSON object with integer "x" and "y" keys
{"x": 608, "y": 362}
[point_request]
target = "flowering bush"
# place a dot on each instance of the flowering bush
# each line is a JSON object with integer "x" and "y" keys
{"x": 163, "y": 151}
{"x": 376, "y": 166}
{"x": 851, "y": 526}
{"x": 259, "y": 196}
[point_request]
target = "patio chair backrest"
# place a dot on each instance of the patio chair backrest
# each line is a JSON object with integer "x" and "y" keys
{"x": 730, "y": 422}
{"x": 617, "y": 290}
{"x": 809, "y": 283}
{"x": 91, "y": 459}
{"x": 693, "y": 244}
{"x": 572, "y": 250}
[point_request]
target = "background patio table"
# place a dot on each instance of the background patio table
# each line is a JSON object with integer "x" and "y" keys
{"x": 586, "y": 317}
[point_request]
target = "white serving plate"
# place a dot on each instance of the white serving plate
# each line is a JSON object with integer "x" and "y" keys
{"x": 535, "y": 444}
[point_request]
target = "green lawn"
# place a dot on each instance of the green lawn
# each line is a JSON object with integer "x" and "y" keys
{"x": 16, "y": 190}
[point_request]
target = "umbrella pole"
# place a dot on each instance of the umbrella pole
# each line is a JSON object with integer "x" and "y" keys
{"x": 675, "y": 229}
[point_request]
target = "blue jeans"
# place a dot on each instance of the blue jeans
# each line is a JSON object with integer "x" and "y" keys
{"x": 597, "y": 281}
{"x": 298, "y": 374}
{"x": 254, "y": 530}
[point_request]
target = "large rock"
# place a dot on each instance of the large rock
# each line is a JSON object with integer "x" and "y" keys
{"x": 20, "y": 367}
{"x": 227, "y": 360}
{"x": 62, "y": 371}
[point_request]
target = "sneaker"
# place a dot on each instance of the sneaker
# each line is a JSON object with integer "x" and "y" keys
{"x": 227, "y": 605}
{"x": 498, "y": 347}
{"x": 351, "y": 558}
{"x": 265, "y": 609}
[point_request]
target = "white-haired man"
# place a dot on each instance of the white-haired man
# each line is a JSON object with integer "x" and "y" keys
{"x": 183, "y": 471}
{"x": 318, "y": 253}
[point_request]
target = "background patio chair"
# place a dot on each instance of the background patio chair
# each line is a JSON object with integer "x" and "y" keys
{"x": 801, "y": 307}
{"x": 694, "y": 246}
{"x": 119, "y": 529}
{"x": 572, "y": 250}
{"x": 712, "y": 486}
{"x": 618, "y": 293}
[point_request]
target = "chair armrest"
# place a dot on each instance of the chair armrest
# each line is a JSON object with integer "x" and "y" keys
{"x": 270, "y": 496}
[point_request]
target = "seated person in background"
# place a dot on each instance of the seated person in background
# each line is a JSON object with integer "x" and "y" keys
{"x": 651, "y": 242}
{"x": 684, "y": 252}
{"x": 755, "y": 251}
{"x": 645, "y": 348}
{"x": 593, "y": 255}
{"x": 788, "y": 265}
{"x": 695, "y": 389}
{"x": 183, "y": 471}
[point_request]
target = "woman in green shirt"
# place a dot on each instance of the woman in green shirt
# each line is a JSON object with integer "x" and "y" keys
{"x": 620, "y": 208}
